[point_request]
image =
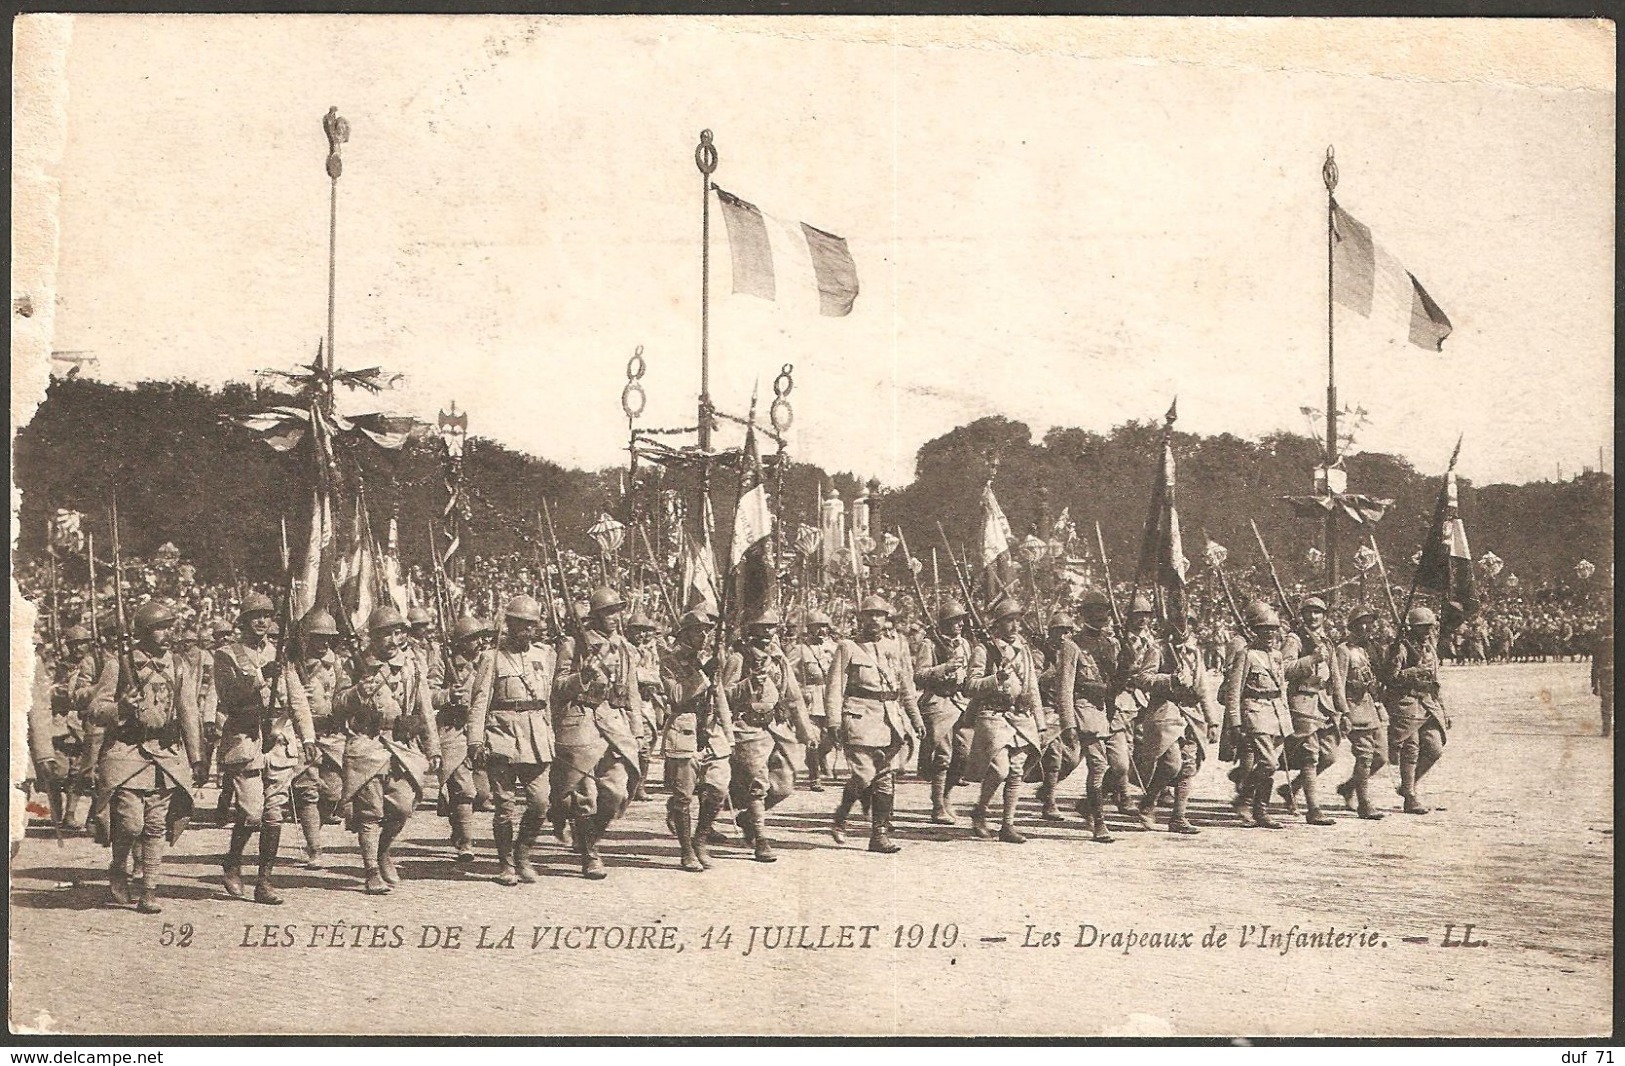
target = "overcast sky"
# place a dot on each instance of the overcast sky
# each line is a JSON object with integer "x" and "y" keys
{"x": 1047, "y": 224}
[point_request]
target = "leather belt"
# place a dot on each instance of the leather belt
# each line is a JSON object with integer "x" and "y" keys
{"x": 862, "y": 692}
{"x": 519, "y": 705}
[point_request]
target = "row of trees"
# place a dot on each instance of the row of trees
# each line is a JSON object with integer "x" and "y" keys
{"x": 186, "y": 474}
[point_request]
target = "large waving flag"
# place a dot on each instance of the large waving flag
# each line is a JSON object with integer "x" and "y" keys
{"x": 750, "y": 561}
{"x": 770, "y": 254}
{"x": 1446, "y": 566}
{"x": 1162, "y": 562}
{"x": 998, "y": 569}
{"x": 1369, "y": 281}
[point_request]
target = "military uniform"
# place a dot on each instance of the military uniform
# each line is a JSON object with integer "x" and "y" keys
{"x": 692, "y": 768}
{"x": 511, "y": 716}
{"x": 1059, "y": 755}
{"x": 148, "y": 762}
{"x": 1602, "y": 675}
{"x": 451, "y": 686}
{"x": 1255, "y": 703}
{"x": 1417, "y": 722}
{"x": 596, "y": 767}
{"x": 1004, "y": 704}
{"x": 1365, "y": 718}
{"x": 1083, "y": 695}
{"x": 1172, "y": 734}
{"x": 941, "y": 668}
{"x": 1137, "y": 662}
{"x": 1314, "y": 699}
{"x": 812, "y": 660}
{"x": 871, "y": 704}
{"x": 318, "y": 788}
{"x": 389, "y": 724}
{"x": 80, "y": 735}
{"x": 769, "y": 726}
{"x": 652, "y": 696}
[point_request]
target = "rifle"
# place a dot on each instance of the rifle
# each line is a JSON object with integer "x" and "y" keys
{"x": 541, "y": 574}
{"x": 979, "y": 629}
{"x": 577, "y": 631}
{"x": 95, "y": 625}
{"x": 442, "y": 606}
{"x": 56, "y": 618}
{"x": 125, "y": 645}
{"x": 1106, "y": 571}
{"x": 660, "y": 583}
{"x": 1275, "y": 578}
{"x": 279, "y": 684}
{"x": 919, "y": 593}
{"x": 1382, "y": 571}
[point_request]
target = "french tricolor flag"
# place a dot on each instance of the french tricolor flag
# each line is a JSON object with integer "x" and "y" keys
{"x": 771, "y": 255}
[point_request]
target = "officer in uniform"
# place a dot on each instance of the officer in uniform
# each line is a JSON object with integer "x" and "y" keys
{"x": 318, "y": 788}
{"x": 1314, "y": 700}
{"x": 510, "y": 733}
{"x": 252, "y": 694}
{"x": 1004, "y": 703}
{"x": 391, "y": 746}
{"x": 1417, "y": 721}
{"x": 1083, "y": 696}
{"x": 152, "y": 756}
{"x": 769, "y": 720}
{"x": 1060, "y": 755}
{"x": 1174, "y": 730}
{"x": 1362, "y": 716}
{"x": 1136, "y": 667}
{"x": 692, "y": 768}
{"x": 1255, "y": 702}
{"x": 813, "y": 656}
{"x": 941, "y": 668}
{"x": 640, "y": 633}
{"x": 597, "y": 702}
{"x": 453, "y": 694}
{"x": 80, "y": 738}
{"x": 871, "y": 704}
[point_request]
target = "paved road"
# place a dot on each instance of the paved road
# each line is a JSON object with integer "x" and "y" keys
{"x": 1522, "y": 851}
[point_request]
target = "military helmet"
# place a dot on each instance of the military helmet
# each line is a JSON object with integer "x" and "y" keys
{"x": 255, "y": 603}
{"x": 815, "y": 618}
{"x": 950, "y": 610}
{"x": 1006, "y": 607}
{"x": 1261, "y": 615}
{"x": 1062, "y": 620}
{"x": 605, "y": 600}
{"x": 466, "y": 627}
{"x": 223, "y": 628}
{"x": 418, "y": 616}
{"x": 77, "y": 635}
{"x": 1312, "y": 603}
{"x": 639, "y": 620}
{"x": 1420, "y": 616}
{"x": 873, "y": 604}
{"x": 153, "y": 615}
{"x": 1361, "y": 612}
{"x": 1142, "y": 604}
{"x": 318, "y": 623}
{"x": 524, "y": 608}
{"x": 767, "y": 616}
{"x": 694, "y": 620}
{"x": 1094, "y": 598}
{"x": 383, "y": 618}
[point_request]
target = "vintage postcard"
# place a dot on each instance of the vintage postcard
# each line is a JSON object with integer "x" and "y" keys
{"x": 817, "y": 527}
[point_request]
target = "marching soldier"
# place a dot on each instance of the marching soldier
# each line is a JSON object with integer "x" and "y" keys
{"x": 1003, "y": 690}
{"x": 1137, "y": 661}
{"x": 597, "y": 700}
{"x": 1255, "y": 701}
{"x": 252, "y": 695}
{"x": 1602, "y": 673}
{"x": 1362, "y": 715}
{"x": 941, "y": 668}
{"x": 871, "y": 703}
{"x": 510, "y": 733}
{"x": 1417, "y": 721}
{"x": 1174, "y": 730}
{"x": 453, "y": 694}
{"x": 47, "y": 750}
{"x": 1083, "y": 696}
{"x": 152, "y": 756}
{"x": 814, "y": 655}
{"x": 420, "y": 635}
{"x": 640, "y": 633}
{"x": 391, "y": 744}
{"x": 692, "y": 769}
{"x": 1060, "y": 755}
{"x": 1314, "y": 700}
{"x": 75, "y": 736}
{"x": 317, "y": 676}
{"x": 769, "y": 719}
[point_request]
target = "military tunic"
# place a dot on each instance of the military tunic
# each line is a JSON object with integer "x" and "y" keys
{"x": 769, "y": 724}
{"x": 1174, "y": 727}
{"x": 144, "y": 784}
{"x": 946, "y": 738}
{"x": 262, "y": 770}
{"x": 1313, "y": 698}
{"x": 511, "y": 713}
{"x": 1358, "y": 706}
{"x": 596, "y": 762}
{"x": 311, "y": 688}
{"x": 872, "y": 705}
{"x": 389, "y": 725}
{"x": 1006, "y": 711}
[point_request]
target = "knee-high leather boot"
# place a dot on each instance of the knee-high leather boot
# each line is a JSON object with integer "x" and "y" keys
{"x": 393, "y": 824}
{"x": 880, "y": 839}
{"x": 592, "y": 864}
{"x": 118, "y": 870}
{"x": 1046, "y": 793}
{"x": 1312, "y": 813}
{"x": 1179, "y": 823}
{"x": 758, "y": 832}
{"x": 507, "y": 876}
{"x": 942, "y": 811}
{"x": 1261, "y": 803}
{"x": 152, "y": 859}
{"x": 530, "y": 827}
{"x": 1007, "y": 827}
{"x": 310, "y": 824}
{"x": 233, "y": 866}
{"x": 367, "y": 837}
{"x": 1407, "y": 786}
{"x": 264, "y": 888}
{"x": 843, "y": 809}
{"x": 462, "y": 827}
{"x": 683, "y": 826}
{"x": 710, "y": 804}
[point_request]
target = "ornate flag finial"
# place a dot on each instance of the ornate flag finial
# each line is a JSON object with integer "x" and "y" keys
{"x": 338, "y": 132}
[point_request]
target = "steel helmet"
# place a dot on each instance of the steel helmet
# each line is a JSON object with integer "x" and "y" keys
{"x": 318, "y": 623}
{"x": 77, "y": 635}
{"x": 255, "y": 603}
{"x": 223, "y": 628}
{"x": 1361, "y": 612}
{"x": 1007, "y": 607}
{"x": 694, "y": 620}
{"x": 1062, "y": 620}
{"x": 873, "y": 604}
{"x": 153, "y": 615}
{"x": 1312, "y": 603}
{"x": 815, "y": 618}
{"x": 466, "y": 627}
{"x": 605, "y": 600}
{"x": 524, "y": 608}
{"x": 767, "y": 616}
{"x": 950, "y": 610}
{"x": 1420, "y": 616}
{"x": 1261, "y": 615}
{"x": 418, "y": 616}
{"x": 384, "y": 618}
{"x": 639, "y": 620}
{"x": 1142, "y": 604}
{"x": 1094, "y": 598}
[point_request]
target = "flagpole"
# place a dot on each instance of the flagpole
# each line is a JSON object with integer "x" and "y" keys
{"x": 1328, "y": 173}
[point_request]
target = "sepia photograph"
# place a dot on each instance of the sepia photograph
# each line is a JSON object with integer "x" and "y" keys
{"x": 721, "y": 527}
